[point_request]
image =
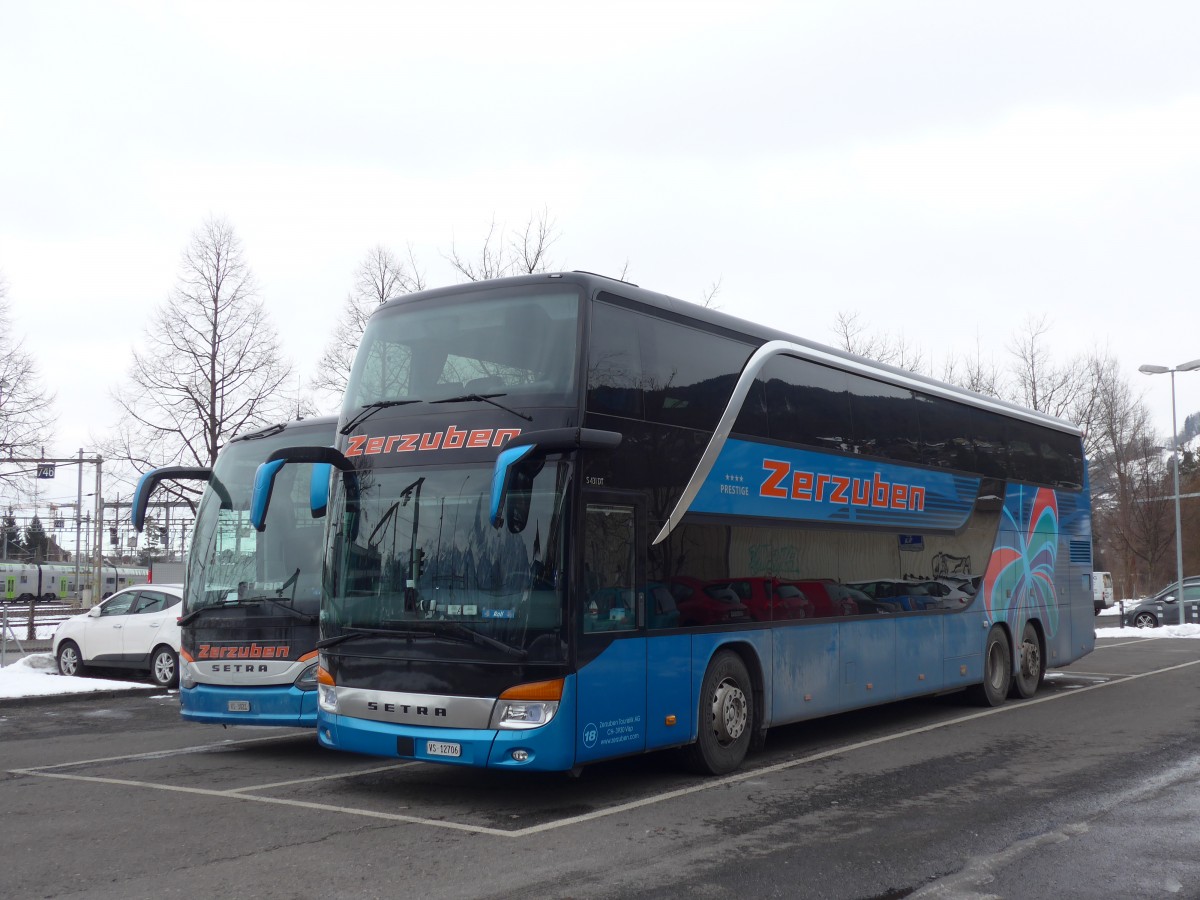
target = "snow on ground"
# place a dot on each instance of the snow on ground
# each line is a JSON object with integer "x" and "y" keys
{"x": 1166, "y": 631}
{"x": 37, "y": 675}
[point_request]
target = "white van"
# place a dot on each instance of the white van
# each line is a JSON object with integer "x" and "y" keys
{"x": 1102, "y": 590}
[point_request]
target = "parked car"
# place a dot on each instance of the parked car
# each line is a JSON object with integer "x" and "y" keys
{"x": 951, "y": 597}
{"x": 705, "y": 604}
{"x": 910, "y": 595}
{"x": 828, "y": 598}
{"x": 1163, "y": 607}
{"x": 768, "y": 599}
{"x": 136, "y": 628}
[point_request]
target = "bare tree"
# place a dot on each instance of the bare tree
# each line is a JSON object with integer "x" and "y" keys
{"x": 25, "y": 406}
{"x": 853, "y": 337}
{"x": 974, "y": 373}
{"x": 380, "y": 277}
{"x": 1058, "y": 390}
{"x": 710, "y": 295}
{"x": 210, "y": 364}
{"x": 505, "y": 253}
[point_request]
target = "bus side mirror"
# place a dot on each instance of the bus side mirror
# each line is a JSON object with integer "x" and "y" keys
{"x": 502, "y": 476}
{"x": 552, "y": 440}
{"x": 318, "y": 489}
{"x": 321, "y": 458}
{"x": 148, "y": 482}
{"x": 264, "y": 483}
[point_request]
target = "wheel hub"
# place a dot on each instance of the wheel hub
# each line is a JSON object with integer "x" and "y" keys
{"x": 1031, "y": 660}
{"x": 730, "y": 712}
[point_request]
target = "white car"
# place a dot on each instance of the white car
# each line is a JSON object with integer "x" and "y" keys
{"x": 137, "y": 628}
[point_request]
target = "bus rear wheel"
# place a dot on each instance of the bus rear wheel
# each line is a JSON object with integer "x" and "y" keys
{"x": 997, "y": 670}
{"x": 1031, "y": 669}
{"x": 725, "y": 719}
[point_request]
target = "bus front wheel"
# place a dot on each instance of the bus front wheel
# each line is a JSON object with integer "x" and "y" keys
{"x": 726, "y": 717}
{"x": 997, "y": 670}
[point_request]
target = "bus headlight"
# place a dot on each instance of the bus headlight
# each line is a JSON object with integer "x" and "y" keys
{"x": 326, "y": 690}
{"x": 514, "y": 716}
{"x": 307, "y": 680}
{"x": 527, "y": 705}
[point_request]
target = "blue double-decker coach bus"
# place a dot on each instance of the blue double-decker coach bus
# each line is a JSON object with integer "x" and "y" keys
{"x": 251, "y": 600}
{"x": 574, "y": 520}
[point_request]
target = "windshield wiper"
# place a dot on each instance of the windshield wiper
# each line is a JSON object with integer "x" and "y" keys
{"x": 479, "y": 637}
{"x": 484, "y": 398}
{"x": 370, "y": 409}
{"x": 307, "y": 618}
{"x": 352, "y": 633}
{"x": 418, "y": 628}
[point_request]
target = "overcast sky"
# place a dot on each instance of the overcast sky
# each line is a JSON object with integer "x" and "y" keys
{"x": 945, "y": 170}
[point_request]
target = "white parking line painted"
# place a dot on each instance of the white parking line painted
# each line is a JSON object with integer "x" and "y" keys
{"x": 836, "y": 751}
{"x": 315, "y": 778}
{"x": 1123, "y": 643}
{"x": 1065, "y": 676}
{"x": 165, "y": 754}
{"x": 706, "y": 785}
{"x": 280, "y": 801}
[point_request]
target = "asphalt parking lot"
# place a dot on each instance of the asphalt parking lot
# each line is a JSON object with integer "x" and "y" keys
{"x": 895, "y": 798}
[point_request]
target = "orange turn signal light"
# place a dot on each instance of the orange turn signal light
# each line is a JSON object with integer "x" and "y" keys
{"x": 323, "y": 676}
{"x": 534, "y": 690}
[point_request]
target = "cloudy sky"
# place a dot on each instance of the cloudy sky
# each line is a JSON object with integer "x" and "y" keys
{"x": 944, "y": 170}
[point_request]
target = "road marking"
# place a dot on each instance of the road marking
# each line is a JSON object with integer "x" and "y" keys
{"x": 1123, "y": 643}
{"x": 706, "y": 785}
{"x": 316, "y": 778}
{"x": 280, "y": 801}
{"x": 163, "y": 754}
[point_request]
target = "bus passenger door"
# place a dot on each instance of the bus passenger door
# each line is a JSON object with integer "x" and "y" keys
{"x": 611, "y": 682}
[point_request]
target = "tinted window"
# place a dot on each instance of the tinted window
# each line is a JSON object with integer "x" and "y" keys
{"x": 1025, "y": 442}
{"x": 642, "y": 366}
{"x": 989, "y": 441}
{"x": 615, "y": 362}
{"x": 807, "y": 403}
{"x": 502, "y": 341}
{"x": 690, "y": 374}
{"x": 1063, "y": 456}
{"x": 885, "y": 419}
{"x": 752, "y": 418}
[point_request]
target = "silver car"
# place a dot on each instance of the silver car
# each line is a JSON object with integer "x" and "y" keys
{"x": 1163, "y": 607}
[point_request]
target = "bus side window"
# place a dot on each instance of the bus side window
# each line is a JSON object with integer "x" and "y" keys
{"x": 609, "y": 569}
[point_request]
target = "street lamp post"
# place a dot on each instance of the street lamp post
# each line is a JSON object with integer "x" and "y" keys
{"x": 1149, "y": 369}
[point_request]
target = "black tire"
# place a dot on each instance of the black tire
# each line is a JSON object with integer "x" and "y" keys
{"x": 1145, "y": 620}
{"x": 70, "y": 659}
{"x": 164, "y": 667}
{"x": 997, "y": 670}
{"x": 725, "y": 718}
{"x": 1031, "y": 667}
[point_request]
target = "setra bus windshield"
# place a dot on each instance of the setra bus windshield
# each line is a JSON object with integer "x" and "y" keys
{"x": 229, "y": 561}
{"x": 415, "y": 555}
{"x": 518, "y": 343}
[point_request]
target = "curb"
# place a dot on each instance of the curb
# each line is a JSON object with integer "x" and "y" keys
{"x": 7, "y": 702}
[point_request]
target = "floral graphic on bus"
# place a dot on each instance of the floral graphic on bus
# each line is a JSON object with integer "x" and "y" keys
{"x": 1019, "y": 583}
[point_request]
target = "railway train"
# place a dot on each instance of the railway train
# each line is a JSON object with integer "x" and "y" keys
{"x": 21, "y": 582}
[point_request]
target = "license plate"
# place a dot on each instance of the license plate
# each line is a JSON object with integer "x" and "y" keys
{"x": 443, "y": 748}
{"x": 238, "y": 706}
